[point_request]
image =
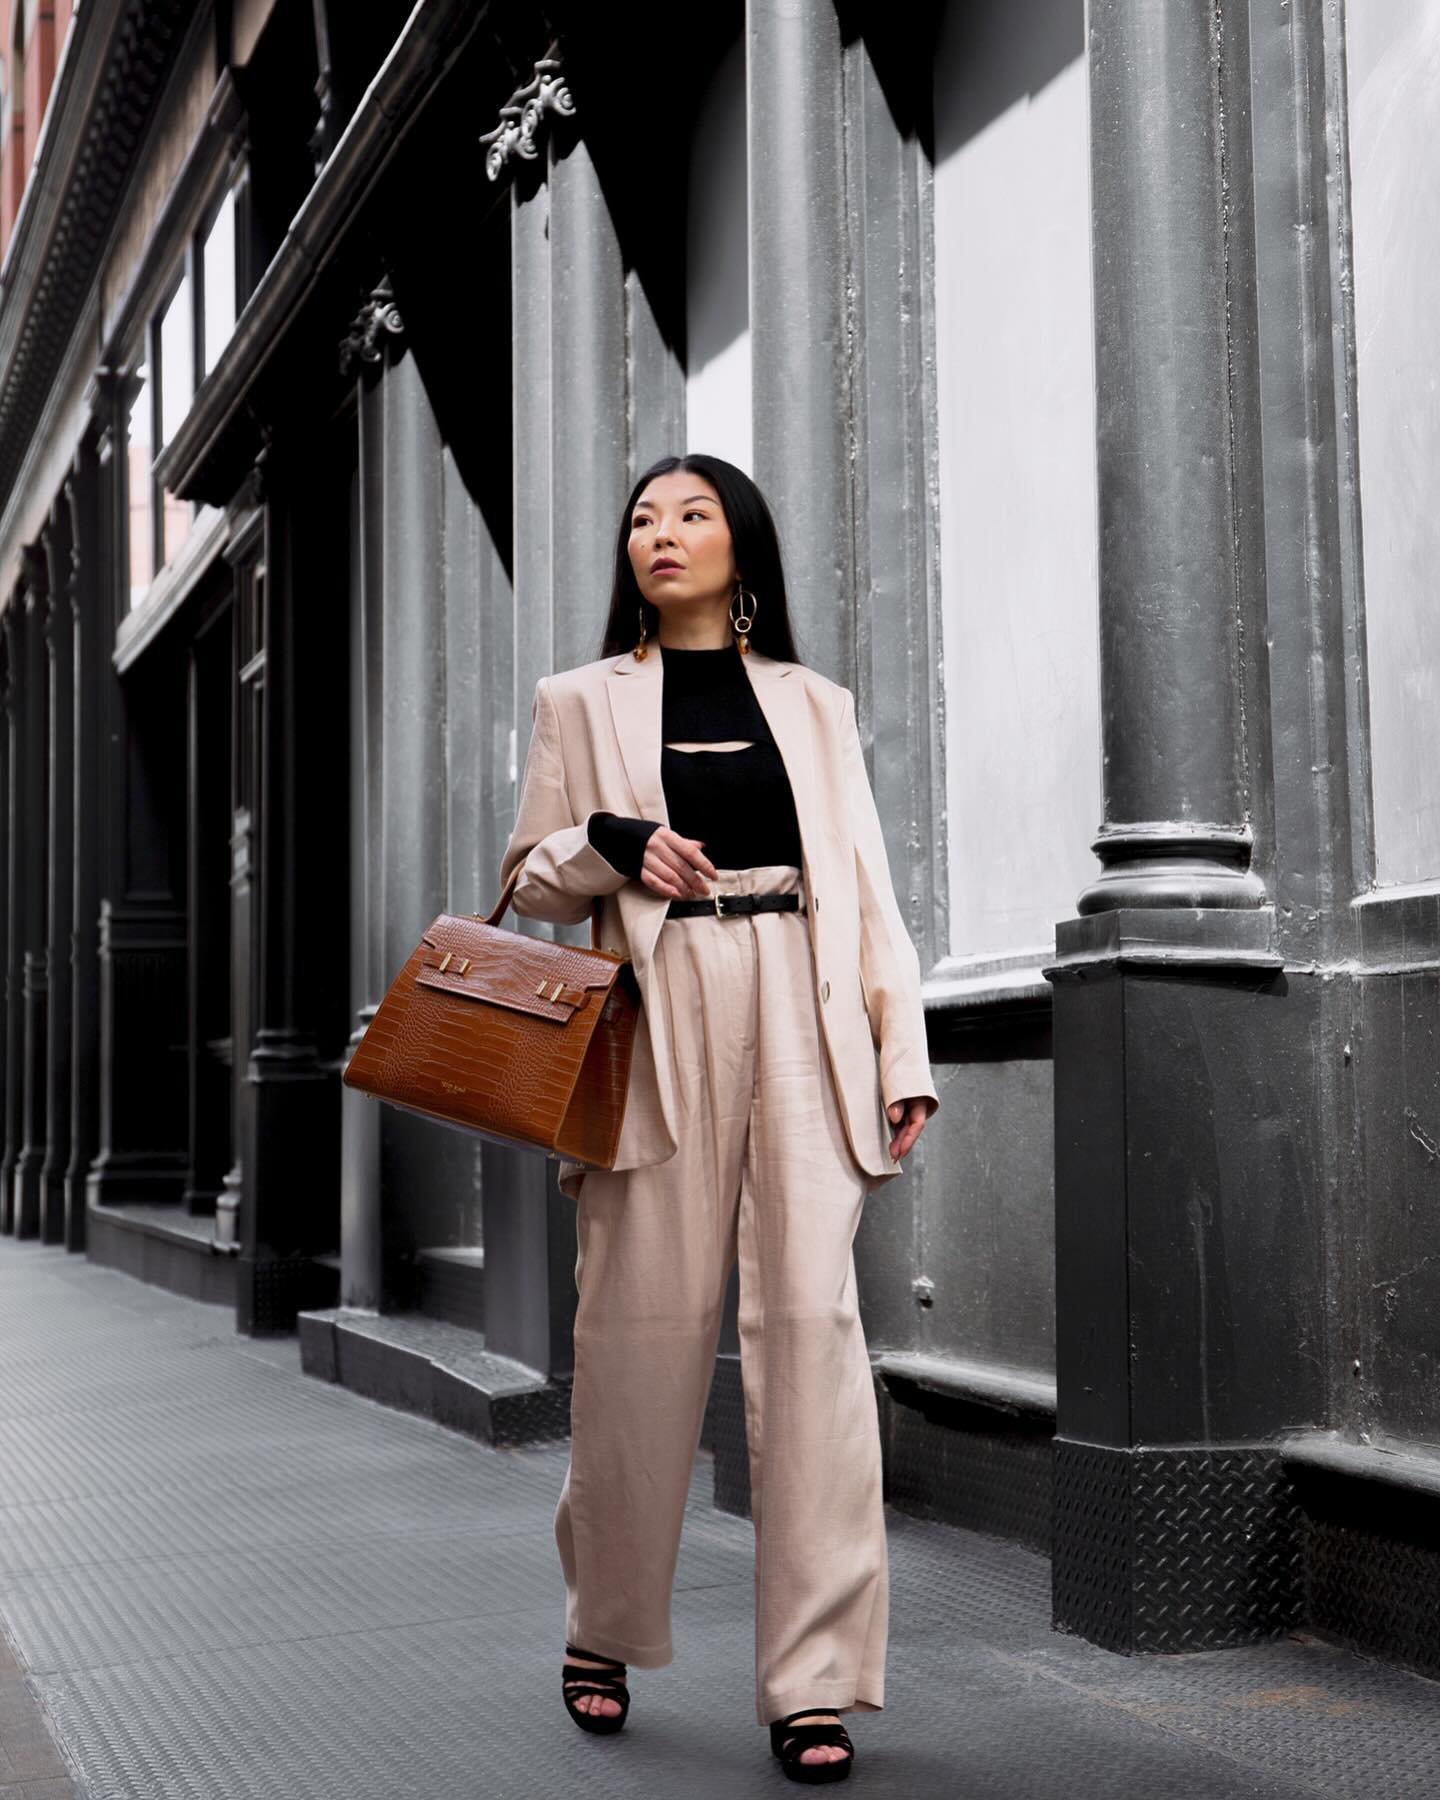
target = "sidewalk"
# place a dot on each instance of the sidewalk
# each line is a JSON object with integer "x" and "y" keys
{"x": 228, "y": 1581}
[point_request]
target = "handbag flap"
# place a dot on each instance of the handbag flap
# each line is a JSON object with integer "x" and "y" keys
{"x": 486, "y": 963}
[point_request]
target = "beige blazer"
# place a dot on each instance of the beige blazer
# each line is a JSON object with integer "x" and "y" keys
{"x": 596, "y": 748}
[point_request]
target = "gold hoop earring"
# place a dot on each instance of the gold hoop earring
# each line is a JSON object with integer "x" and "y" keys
{"x": 640, "y": 651}
{"x": 745, "y": 621}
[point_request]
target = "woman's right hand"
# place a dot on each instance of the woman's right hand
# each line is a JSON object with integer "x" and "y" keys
{"x": 676, "y": 866}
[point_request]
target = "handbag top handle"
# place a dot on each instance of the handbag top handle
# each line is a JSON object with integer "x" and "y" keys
{"x": 503, "y": 903}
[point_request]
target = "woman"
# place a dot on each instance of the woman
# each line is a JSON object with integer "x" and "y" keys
{"x": 707, "y": 792}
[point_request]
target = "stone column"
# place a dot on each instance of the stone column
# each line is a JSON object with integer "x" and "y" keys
{"x": 12, "y": 623}
{"x": 9, "y": 933}
{"x": 798, "y": 284}
{"x": 1179, "y": 1357}
{"x": 91, "y": 672}
{"x": 361, "y": 1230}
{"x": 1175, "y": 831}
{"x": 60, "y": 637}
{"x": 140, "y": 1147}
{"x": 587, "y": 399}
{"x": 571, "y": 479}
{"x": 290, "y": 1113}
{"x": 34, "y": 881}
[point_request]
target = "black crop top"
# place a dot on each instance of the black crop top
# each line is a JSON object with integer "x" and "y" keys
{"x": 738, "y": 802}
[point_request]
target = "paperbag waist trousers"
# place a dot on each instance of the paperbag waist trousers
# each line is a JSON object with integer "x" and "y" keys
{"x": 763, "y": 1172}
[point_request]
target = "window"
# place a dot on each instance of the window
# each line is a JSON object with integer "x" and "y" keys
{"x": 217, "y": 282}
{"x": 177, "y": 363}
{"x": 139, "y": 455}
{"x": 12, "y": 119}
{"x": 176, "y": 338}
{"x": 185, "y": 339}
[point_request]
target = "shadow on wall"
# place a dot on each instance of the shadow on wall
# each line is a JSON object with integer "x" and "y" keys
{"x": 940, "y": 33}
{"x": 450, "y": 272}
{"x": 618, "y": 81}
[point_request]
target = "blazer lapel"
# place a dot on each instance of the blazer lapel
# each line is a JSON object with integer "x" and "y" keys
{"x": 783, "y": 703}
{"x": 635, "y": 691}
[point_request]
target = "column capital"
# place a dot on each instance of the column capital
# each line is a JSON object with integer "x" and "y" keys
{"x": 108, "y": 389}
{"x": 58, "y": 550}
{"x": 377, "y": 324}
{"x": 524, "y": 117}
{"x": 34, "y": 577}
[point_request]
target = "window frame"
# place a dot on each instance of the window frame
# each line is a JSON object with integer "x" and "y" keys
{"x": 145, "y": 350}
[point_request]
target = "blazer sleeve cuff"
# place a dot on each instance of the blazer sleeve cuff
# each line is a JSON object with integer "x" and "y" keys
{"x": 563, "y": 874}
{"x": 909, "y": 1081}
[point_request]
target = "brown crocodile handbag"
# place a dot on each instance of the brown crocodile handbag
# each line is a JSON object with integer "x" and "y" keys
{"x": 518, "y": 1039}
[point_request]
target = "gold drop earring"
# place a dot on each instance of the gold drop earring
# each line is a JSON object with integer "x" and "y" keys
{"x": 743, "y": 624}
{"x": 640, "y": 651}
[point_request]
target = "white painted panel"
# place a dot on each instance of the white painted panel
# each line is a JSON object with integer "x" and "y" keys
{"x": 717, "y": 273}
{"x": 1015, "y": 362}
{"x": 1393, "y": 58}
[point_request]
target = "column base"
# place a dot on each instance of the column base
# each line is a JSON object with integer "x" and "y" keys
{"x": 26, "y": 1193}
{"x": 28, "y": 1182}
{"x": 289, "y": 1194}
{"x": 362, "y": 1272}
{"x": 227, "y": 1207}
{"x": 1197, "y": 937}
{"x": 272, "y": 1291}
{"x": 52, "y": 1206}
{"x": 75, "y": 1177}
{"x": 1171, "y": 865}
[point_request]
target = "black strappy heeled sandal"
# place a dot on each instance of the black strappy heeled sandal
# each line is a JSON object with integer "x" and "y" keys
{"x": 789, "y": 1742}
{"x": 608, "y": 1682}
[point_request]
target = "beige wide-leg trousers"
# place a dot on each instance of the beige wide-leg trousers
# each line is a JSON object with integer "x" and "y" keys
{"x": 763, "y": 1172}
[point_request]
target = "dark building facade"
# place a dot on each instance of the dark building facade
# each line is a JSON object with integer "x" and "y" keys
{"x": 1082, "y": 351}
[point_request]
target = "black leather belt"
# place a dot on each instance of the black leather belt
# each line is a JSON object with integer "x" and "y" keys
{"x": 726, "y": 906}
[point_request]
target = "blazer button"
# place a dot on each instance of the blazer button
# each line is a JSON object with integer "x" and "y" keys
{"x": 814, "y": 903}
{"x": 824, "y": 990}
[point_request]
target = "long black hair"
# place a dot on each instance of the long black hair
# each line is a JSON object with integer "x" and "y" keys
{"x": 757, "y": 553}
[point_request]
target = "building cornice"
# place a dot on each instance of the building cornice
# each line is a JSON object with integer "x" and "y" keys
{"x": 115, "y": 65}
{"x": 195, "y": 462}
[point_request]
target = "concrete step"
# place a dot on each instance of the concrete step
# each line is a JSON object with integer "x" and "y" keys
{"x": 437, "y": 1369}
{"x": 162, "y": 1244}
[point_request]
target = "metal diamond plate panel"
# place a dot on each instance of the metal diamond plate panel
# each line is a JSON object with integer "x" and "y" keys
{"x": 966, "y": 1465}
{"x": 1174, "y": 1550}
{"x": 1372, "y": 1572}
{"x": 1217, "y": 1548}
{"x": 1092, "y": 1544}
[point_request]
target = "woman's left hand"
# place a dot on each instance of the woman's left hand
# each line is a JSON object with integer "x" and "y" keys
{"x": 909, "y": 1117}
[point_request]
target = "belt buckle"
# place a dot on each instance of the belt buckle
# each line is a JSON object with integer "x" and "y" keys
{"x": 717, "y": 897}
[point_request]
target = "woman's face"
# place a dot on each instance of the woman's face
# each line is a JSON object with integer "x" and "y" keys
{"x": 680, "y": 546}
